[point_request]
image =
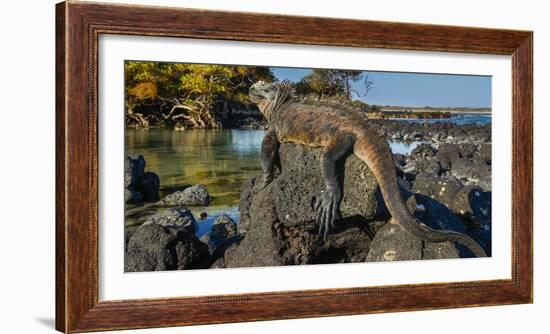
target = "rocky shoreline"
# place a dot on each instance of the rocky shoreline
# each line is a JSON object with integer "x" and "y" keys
{"x": 252, "y": 119}
{"x": 446, "y": 180}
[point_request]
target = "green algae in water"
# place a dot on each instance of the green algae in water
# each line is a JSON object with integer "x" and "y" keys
{"x": 221, "y": 160}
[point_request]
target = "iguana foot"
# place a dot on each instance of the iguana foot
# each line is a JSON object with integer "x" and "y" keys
{"x": 328, "y": 212}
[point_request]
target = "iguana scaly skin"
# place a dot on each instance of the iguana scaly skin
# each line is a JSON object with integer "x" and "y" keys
{"x": 340, "y": 130}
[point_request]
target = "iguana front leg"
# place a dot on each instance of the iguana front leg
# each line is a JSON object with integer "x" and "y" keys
{"x": 268, "y": 155}
{"x": 328, "y": 204}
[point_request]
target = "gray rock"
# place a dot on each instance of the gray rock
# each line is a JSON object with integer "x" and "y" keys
{"x": 410, "y": 167}
{"x": 465, "y": 201}
{"x": 434, "y": 214}
{"x": 399, "y": 159}
{"x": 195, "y": 195}
{"x": 468, "y": 150}
{"x": 132, "y": 196}
{"x": 472, "y": 173}
{"x": 245, "y": 203}
{"x": 149, "y": 186}
{"x": 474, "y": 206}
{"x": 447, "y": 154}
{"x": 148, "y": 249}
{"x": 299, "y": 185}
{"x": 139, "y": 185}
{"x": 153, "y": 247}
{"x": 442, "y": 189}
{"x": 429, "y": 166}
{"x": 282, "y": 228}
{"x": 134, "y": 167}
{"x": 485, "y": 152}
{"x": 423, "y": 151}
{"x": 222, "y": 229}
{"x": 178, "y": 218}
{"x": 484, "y": 182}
{"x": 259, "y": 247}
{"x": 218, "y": 264}
{"x": 393, "y": 243}
{"x": 128, "y": 232}
{"x": 425, "y": 184}
{"x": 191, "y": 253}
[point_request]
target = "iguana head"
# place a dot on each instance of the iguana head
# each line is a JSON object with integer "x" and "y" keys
{"x": 271, "y": 96}
{"x": 262, "y": 91}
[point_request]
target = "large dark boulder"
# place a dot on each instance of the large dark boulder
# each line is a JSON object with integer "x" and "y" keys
{"x": 442, "y": 189}
{"x": 149, "y": 249}
{"x": 149, "y": 186}
{"x": 139, "y": 185}
{"x": 393, "y": 243}
{"x": 134, "y": 168}
{"x": 301, "y": 182}
{"x": 167, "y": 241}
{"x": 282, "y": 228}
{"x": 447, "y": 154}
{"x": 259, "y": 247}
{"x": 132, "y": 196}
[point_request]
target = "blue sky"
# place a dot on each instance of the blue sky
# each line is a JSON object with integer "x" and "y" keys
{"x": 414, "y": 89}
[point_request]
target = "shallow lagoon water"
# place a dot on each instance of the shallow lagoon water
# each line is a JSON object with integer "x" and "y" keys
{"x": 221, "y": 160}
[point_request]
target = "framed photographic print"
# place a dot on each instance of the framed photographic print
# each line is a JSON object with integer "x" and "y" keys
{"x": 214, "y": 169}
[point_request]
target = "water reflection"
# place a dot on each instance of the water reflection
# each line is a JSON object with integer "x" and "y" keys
{"x": 221, "y": 160}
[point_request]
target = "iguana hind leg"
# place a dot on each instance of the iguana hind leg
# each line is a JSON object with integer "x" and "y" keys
{"x": 268, "y": 156}
{"x": 327, "y": 205}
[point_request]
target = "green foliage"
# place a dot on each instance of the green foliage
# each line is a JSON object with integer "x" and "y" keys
{"x": 144, "y": 90}
{"x": 169, "y": 93}
{"x": 328, "y": 82}
{"x": 191, "y": 81}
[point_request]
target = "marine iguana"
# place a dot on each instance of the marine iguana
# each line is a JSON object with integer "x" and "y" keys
{"x": 341, "y": 130}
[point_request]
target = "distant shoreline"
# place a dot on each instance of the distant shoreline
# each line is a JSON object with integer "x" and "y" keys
{"x": 461, "y": 110}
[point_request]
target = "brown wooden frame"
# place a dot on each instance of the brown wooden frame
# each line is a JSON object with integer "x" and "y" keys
{"x": 78, "y": 26}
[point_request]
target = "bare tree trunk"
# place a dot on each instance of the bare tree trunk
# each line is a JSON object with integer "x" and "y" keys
{"x": 142, "y": 122}
{"x": 199, "y": 116}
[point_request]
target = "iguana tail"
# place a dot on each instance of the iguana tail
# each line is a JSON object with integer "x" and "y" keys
{"x": 376, "y": 153}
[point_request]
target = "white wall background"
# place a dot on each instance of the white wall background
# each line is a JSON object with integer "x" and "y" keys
{"x": 27, "y": 68}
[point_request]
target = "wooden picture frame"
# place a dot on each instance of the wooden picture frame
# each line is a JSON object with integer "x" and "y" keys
{"x": 78, "y": 26}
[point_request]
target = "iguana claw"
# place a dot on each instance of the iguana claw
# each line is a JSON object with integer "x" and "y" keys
{"x": 328, "y": 213}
